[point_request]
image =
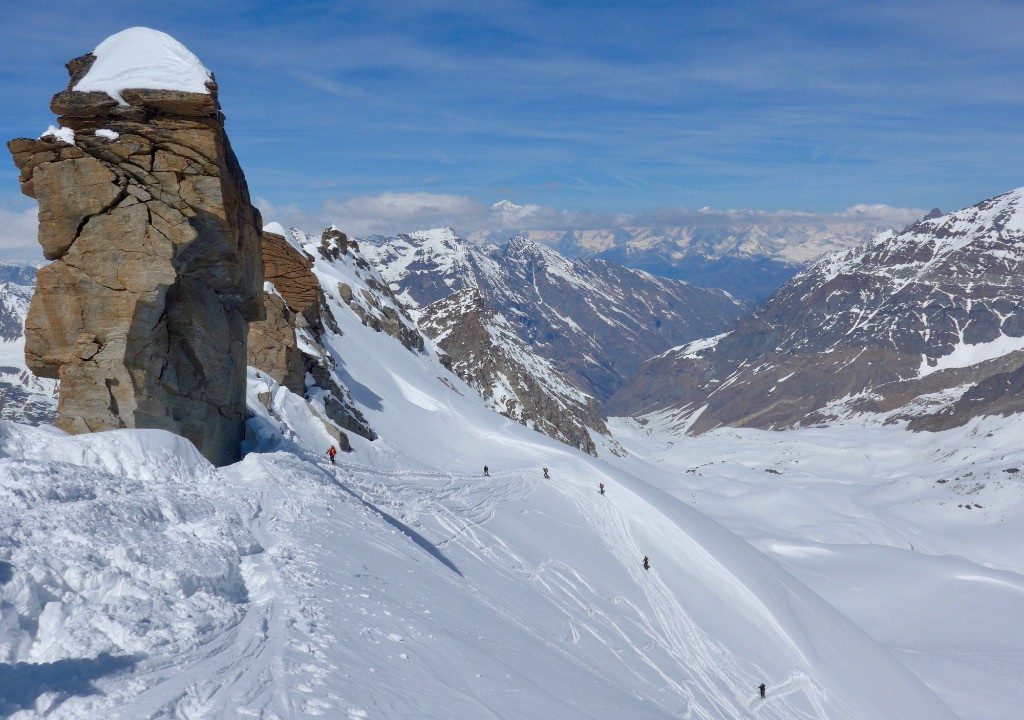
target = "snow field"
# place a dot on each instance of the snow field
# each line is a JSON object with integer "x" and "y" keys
{"x": 913, "y": 536}
{"x": 434, "y": 594}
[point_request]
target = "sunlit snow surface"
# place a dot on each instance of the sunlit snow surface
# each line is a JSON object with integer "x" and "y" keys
{"x": 914, "y": 536}
{"x": 138, "y": 581}
{"x": 140, "y": 57}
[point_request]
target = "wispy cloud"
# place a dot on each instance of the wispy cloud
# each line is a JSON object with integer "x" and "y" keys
{"x": 18, "y": 236}
{"x": 615, "y": 107}
{"x": 391, "y": 213}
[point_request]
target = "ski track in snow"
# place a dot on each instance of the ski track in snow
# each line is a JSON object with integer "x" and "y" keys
{"x": 542, "y": 576}
{"x": 463, "y": 506}
{"x": 719, "y": 674}
{"x": 254, "y": 668}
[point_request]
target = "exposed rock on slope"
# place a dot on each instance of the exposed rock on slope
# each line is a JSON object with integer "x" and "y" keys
{"x": 376, "y": 304}
{"x": 925, "y": 321}
{"x": 311, "y": 283}
{"x": 289, "y": 344}
{"x": 370, "y": 298}
{"x": 143, "y": 315}
{"x": 594, "y": 320}
{"x": 484, "y": 350}
{"x": 291, "y": 297}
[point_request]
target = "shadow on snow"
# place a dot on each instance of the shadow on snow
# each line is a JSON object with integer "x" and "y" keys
{"x": 21, "y": 684}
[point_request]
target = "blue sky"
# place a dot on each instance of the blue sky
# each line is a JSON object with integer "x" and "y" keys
{"x": 607, "y": 107}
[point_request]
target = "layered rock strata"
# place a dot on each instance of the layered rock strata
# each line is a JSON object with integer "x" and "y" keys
{"x": 143, "y": 313}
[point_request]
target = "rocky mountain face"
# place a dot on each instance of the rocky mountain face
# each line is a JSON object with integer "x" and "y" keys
{"x": 18, "y": 274}
{"x": 593, "y": 320}
{"x": 289, "y": 344}
{"x": 926, "y": 323}
{"x": 295, "y": 366}
{"x": 749, "y": 257}
{"x": 24, "y": 397}
{"x": 298, "y": 367}
{"x": 484, "y": 349}
{"x": 143, "y": 209}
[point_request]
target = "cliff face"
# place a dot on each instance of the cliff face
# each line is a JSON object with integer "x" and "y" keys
{"x": 289, "y": 344}
{"x": 143, "y": 209}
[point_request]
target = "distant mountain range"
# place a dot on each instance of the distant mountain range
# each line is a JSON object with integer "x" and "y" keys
{"x": 17, "y": 274}
{"x": 596, "y": 320}
{"x": 748, "y": 254}
{"x": 545, "y": 339}
{"x": 925, "y": 324}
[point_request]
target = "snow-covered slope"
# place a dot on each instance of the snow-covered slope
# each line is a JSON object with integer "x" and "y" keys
{"x": 915, "y": 536}
{"x": 138, "y": 581}
{"x": 483, "y": 349}
{"x": 923, "y": 318}
{"x": 23, "y": 396}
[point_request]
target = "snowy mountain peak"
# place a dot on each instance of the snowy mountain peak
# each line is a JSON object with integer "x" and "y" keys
{"x": 928, "y": 317}
{"x": 444, "y": 236}
{"x": 506, "y": 206}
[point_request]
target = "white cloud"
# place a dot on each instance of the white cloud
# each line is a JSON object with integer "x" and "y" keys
{"x": 390, "y": 213}
{"x": 896, "y": 216}
{"x": 18, "y": 242}
{"x": 386, "y": 214}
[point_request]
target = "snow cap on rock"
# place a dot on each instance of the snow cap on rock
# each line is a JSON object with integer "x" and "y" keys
{"x": 143, "y": 58}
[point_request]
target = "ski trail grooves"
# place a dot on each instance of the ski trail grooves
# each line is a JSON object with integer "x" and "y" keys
{"x": 720, "y": 677}
{"x": 270, "y": 663}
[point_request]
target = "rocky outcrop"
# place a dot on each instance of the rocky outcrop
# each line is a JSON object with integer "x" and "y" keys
{"x": 143, "y": 313}
{"x": 291, "y": 297}
{"x": 289, "y": 344}
{"x": 375, "y": 304}
{"x": 484, "y": 350}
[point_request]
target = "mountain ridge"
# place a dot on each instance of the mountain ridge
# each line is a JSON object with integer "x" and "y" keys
{"x": 910, "y": 314}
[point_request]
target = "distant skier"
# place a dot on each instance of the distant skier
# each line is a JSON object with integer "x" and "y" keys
{"x": 331, "y": 452}
{"x": 647, "y": 563}
{"x": 487, "y": 473}
{"x": 600, "y": 488}
{"x": 546, "y": 476}
{"x": 761, "y": 688}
